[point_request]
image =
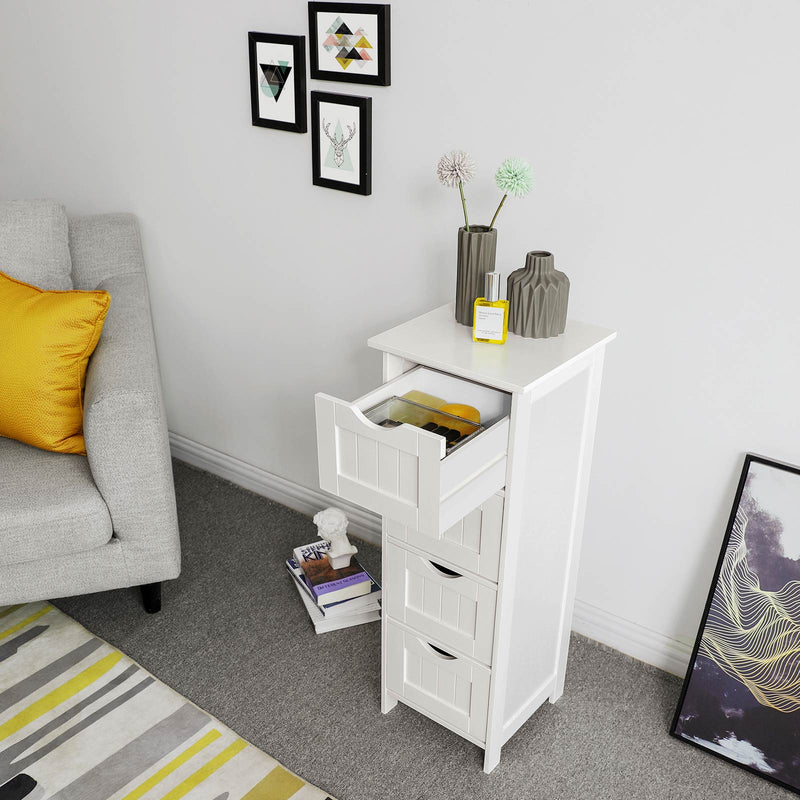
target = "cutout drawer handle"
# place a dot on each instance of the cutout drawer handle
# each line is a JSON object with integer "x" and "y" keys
{"x": 446, "y": 571}
{"x": 441, "y": 653}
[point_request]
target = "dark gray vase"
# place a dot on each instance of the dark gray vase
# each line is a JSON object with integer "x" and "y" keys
{"x": 476, "y": 254}
{"x": 538, "y": 295}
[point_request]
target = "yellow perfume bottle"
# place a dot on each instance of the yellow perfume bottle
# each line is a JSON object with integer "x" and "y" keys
{"x": 490, "y": 320}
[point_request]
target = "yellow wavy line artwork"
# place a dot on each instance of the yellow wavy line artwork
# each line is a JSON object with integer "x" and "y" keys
{"x": 754, "y": 635}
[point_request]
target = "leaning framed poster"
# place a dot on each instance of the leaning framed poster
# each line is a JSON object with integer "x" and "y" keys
{"x": 341, "y": 142}
{"x": 350, "y": 42}
{"x": 278, "y": 81}
{"x": 741, "y": 697}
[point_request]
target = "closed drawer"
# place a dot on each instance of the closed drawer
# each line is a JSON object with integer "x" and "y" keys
{"x": 452, "y": 688}
{"x": 404, "y": 473}
{"x": 473, "y": 543}
{"x": 439, "y": 603}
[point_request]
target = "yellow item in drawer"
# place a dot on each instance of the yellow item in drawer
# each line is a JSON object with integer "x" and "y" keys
{"x": 463, "y": 426}
{"x": 424, "y": 399}
{"x": 463, "y": 411}
{"x": 409, "y": 412}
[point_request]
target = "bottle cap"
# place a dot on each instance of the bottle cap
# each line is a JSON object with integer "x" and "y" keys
{"x": 492, "y": 287}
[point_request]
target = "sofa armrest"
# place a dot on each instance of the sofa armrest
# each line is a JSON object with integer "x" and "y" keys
{"x": 124, "y": 423}
{"x": 103, "y": 246}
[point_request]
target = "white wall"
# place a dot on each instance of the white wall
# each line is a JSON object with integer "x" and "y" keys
{"x": 664, "y": 140}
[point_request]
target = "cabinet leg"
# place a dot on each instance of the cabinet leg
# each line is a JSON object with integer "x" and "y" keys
{"x": 491, "y": 758}
{"x": 392, "y": 367}
{"x": 558, "y": 689}
{"x": 387, "y": 702}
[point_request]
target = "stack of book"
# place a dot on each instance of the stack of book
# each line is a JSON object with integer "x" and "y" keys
{"x": 334, "y": 598}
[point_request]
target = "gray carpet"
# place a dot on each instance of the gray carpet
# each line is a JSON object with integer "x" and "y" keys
{"x": 234, "y": 637}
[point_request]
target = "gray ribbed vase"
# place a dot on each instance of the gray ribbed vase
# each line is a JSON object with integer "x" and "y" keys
{"x": 476, "y": 254}
{"x": 537, "y": 298}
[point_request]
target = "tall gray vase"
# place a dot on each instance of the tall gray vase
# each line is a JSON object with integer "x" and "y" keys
{"x": 538, "y": 295}
{"x": 476, "y": 254}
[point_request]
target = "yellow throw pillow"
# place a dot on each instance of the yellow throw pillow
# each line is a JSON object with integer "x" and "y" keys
{"x": 46, "y": 339}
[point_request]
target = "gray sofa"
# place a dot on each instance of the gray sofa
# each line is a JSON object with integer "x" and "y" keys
{"x": 72, "y": 524}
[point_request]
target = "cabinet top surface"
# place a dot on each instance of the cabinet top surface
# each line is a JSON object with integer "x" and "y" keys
{"x": 436, "y": 340}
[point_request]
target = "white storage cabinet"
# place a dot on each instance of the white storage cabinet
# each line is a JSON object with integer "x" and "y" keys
{"x": 480, "y": 547}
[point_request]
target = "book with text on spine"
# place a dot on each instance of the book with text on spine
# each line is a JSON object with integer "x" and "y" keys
{"x": 366, "y": 602}
{"x": 329, "y": 585}
{"x": 323, "y": 624}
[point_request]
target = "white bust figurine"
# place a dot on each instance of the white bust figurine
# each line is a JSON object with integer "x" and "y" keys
{"x": 332, "y": 526}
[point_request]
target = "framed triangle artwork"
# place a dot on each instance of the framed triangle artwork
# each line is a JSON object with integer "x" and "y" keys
{"x": 278, "y": 81}
{"x": 350, "y": 42}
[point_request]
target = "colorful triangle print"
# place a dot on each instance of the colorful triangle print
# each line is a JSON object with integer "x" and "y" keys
{"x": 337, "y": 23}
{"x": 347, "y": 47}
{"x": 274, "y": 78}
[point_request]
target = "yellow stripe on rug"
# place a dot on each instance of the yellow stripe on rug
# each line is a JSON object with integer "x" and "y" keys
{"x": 280, "y": 784}
{"x": 176, "y": 762}
{"x": 20, "y": 625}
{"x": 10, "y": 610}
{"x": 196, "y": 778}
{"x": 58, "y": 696}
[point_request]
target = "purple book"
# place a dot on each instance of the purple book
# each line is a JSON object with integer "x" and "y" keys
{"x": 342, "y": 607}
{"x": 329, "y": 585}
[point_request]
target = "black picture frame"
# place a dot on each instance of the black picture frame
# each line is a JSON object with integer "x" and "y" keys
{"x": 747, "y": 726}
{"x": 322, "y": 173}
{"x": 343, "y": 72}
{"x": 298, "y": 120}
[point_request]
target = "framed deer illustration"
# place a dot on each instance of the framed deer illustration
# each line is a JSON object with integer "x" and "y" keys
{"x": 341, "y": 142}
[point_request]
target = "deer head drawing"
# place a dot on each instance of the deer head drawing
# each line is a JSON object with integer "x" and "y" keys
{"x": 338, "y": 144}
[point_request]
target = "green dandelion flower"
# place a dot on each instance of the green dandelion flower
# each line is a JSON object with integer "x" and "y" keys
{"x": 515, "y": 177}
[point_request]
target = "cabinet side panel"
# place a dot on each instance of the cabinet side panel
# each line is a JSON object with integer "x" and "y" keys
{"x": 553, "y": 455}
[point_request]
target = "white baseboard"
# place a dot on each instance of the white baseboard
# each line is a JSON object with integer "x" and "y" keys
{"x": 307, "y": 501}
{"x": 630, "y": 638}
{"x": 595, "y": 623}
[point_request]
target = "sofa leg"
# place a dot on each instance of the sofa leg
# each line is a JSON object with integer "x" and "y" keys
{"x": 151, "y": 597}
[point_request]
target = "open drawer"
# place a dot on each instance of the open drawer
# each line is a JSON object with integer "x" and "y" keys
{"x": 404, "y": 473}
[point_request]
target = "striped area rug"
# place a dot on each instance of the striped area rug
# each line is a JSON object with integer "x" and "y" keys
{"x": 81, "y": 721}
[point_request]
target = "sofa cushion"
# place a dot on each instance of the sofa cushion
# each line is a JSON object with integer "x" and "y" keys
{"x": 34, "y": 243}
{"x": 49, "y": 505}
{"x": 46, "y": 339}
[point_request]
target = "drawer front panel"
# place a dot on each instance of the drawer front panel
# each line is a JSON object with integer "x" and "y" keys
{"x": 381, "y": 469}
{"x": 452, "y": 609}
{"x": 454, "y": 689}
{"x": 473, "y": 543}
{"x": 402, "y": 473}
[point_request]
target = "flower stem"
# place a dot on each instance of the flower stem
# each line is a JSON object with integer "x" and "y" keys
{"x": 498, "y": 211}
{"x": 464, "y": 205}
